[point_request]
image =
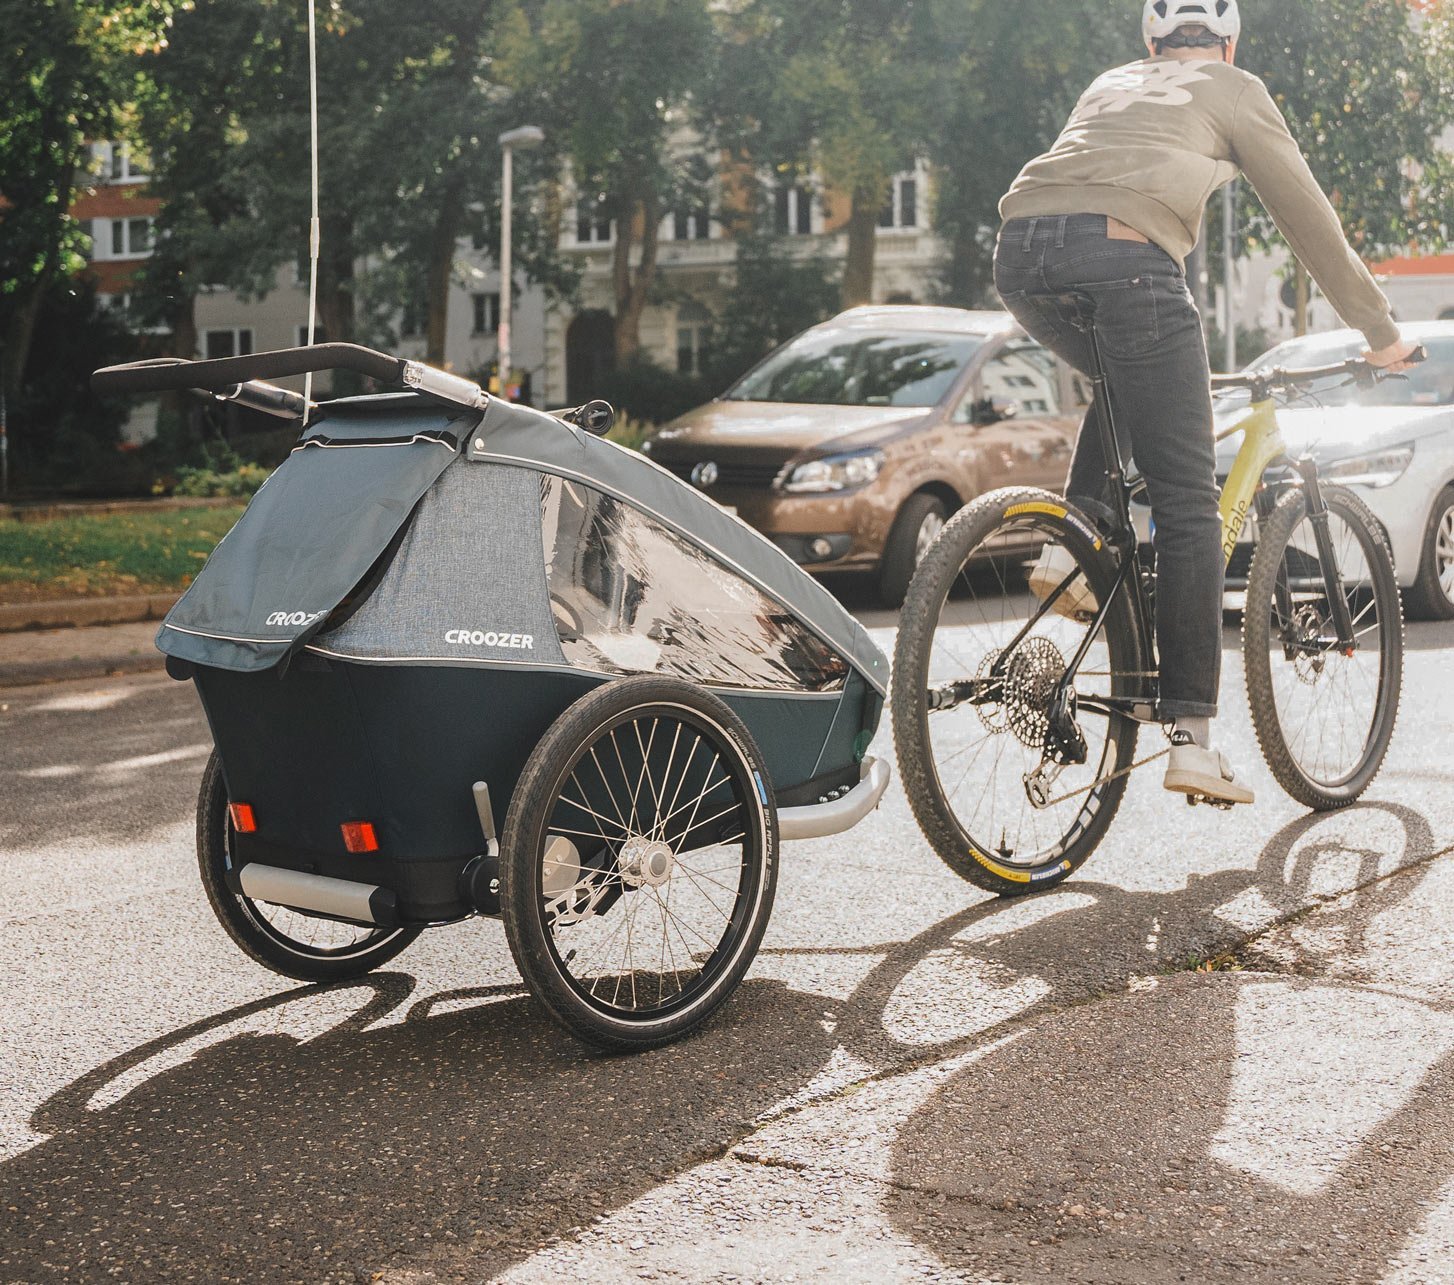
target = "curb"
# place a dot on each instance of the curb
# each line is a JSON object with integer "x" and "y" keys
{"x": 35, "y": 673}
{"x": 68, "y": 613}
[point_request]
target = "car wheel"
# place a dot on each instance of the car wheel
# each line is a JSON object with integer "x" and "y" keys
{"x": 1431, "y": 596}
{"x": 910, "y": 539}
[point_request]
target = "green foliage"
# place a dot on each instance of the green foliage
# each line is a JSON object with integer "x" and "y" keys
{"x": 242, "y": 480}
{"x": 108, "y": 553}
{"x": 1365, "y": 91}
{"x": 776, "y": 295}
{"x": 646, "y": 391}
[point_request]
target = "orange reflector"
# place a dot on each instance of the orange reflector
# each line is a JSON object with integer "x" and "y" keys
{"x": 243, "y": 820}
{"x": 359, "y": 836}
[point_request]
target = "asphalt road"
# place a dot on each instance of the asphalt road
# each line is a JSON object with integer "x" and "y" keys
{"x": 170, "y": 1111}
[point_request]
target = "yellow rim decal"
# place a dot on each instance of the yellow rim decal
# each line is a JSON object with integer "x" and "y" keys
{"x": 1050, "y": 510}
{"x": 994, "y": 867}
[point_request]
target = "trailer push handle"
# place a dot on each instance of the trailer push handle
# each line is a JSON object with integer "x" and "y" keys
{"x": 229, "y": 376}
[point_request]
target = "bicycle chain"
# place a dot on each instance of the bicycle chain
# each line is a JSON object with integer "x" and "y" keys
{"x": 1105, "y": 780}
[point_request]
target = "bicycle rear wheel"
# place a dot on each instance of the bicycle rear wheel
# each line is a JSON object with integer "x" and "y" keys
{"x": 973, "y": 683}
{"x": 1324, "y": 719}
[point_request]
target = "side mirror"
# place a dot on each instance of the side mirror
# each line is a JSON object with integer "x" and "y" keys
{"x": 994, "y": 410}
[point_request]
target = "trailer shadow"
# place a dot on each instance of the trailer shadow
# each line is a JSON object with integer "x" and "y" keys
{"x": 482, "y": 1128}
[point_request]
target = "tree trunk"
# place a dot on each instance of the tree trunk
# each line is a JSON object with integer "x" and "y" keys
{"x": 18, "y": 333}
{"x": 1300, "y": 299}
{"x": 440, "y": 272}
{"x": 633, "y": 287}
{"x": 335, "y": 281}
{"x": 862, "y": 242}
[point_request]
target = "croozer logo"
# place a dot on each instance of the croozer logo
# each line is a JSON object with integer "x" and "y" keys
{"x": 1157, "y": 84}
{"x": 294, "y": 617}
{"x": 490, "y": 638}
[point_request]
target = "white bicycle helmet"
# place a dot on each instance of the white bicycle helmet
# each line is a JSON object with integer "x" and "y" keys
{"x": 1220, "y": 17}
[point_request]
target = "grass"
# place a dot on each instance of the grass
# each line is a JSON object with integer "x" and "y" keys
{"x": 109, "y": 553}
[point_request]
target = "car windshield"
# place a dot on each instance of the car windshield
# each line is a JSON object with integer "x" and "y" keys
{"x": 854, "y": 367}
{"x": 1429, "y": 384}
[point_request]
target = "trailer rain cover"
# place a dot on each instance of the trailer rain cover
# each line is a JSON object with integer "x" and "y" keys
{"x": 313, "y": 531}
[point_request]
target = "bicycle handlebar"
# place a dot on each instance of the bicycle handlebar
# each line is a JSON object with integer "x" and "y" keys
{"x": 1358, "y": 368}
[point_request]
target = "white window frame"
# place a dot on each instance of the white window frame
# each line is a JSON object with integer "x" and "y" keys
{"x": 114, "y": 162}
{"x": 797, "y": 193}
{"x": 696, "y": 333}
{"x": 896, "y": 202}
{"x": 236, "y": 332}
{"x": 487, "y": 301}
{"x": 695, "y": 221}
{"x": 104, "y": 232}
{"x": 596, "y": 237}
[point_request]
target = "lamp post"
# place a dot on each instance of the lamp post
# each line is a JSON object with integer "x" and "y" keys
{"x": 523, "y": 137}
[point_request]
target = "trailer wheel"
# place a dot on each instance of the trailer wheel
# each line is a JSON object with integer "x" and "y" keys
{"x": 638, "y": 862}
{"x": 289, "y": 942}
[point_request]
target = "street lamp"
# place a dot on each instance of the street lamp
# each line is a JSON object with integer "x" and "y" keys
{"x": 523, "y": 137}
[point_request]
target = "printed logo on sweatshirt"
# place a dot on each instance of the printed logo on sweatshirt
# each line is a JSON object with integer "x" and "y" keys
{"x": 1157, "y": 84}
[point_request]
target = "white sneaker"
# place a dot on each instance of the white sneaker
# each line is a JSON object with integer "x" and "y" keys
{"x": 1203, "y": 773}
{"x": 1051, "y": 568}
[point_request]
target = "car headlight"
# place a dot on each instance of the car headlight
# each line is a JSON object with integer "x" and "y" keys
{"x": 1382, "y": 468}
{"x": 835, "y": 473}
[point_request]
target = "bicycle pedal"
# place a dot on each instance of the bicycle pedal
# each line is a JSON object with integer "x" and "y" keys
{"x": 1222, "y": 805}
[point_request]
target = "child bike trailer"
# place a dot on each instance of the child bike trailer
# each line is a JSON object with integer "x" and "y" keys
{"x": 444, "y": 608}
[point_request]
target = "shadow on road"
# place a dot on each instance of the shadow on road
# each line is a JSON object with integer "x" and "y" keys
{"x": 1231, "y": 1127}
{"x": 263, "y": 1157}
{"x": 464, "y": 1130}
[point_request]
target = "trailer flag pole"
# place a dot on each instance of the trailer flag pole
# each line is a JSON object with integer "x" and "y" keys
{"x": 315, "y": 230}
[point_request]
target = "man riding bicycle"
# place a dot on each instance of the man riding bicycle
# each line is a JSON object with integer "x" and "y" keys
{"x": 1110, "y": 212}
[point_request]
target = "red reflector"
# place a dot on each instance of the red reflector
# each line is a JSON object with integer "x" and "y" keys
{"x": 243, "y": 820}
{"x": 359, "y": 836}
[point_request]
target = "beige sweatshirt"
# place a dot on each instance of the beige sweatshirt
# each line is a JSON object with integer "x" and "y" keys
{"x": 1150, "y": 142}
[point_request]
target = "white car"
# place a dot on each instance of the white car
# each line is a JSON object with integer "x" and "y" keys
{"x": 1393, "y": 444}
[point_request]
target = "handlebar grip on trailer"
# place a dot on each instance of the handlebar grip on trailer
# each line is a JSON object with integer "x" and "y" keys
{"x": 594, "y": 417}
{"x": 223, "y": 373}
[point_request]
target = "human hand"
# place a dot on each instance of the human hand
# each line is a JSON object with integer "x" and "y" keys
{"x": 1394, "y": 358}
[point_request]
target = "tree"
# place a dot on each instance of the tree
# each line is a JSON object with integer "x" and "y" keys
{"x": 1364, "y": 87}
{"x": 612, "y": 81}
{"x": 1005, "y": 86}
{"x": 830, "y": 88}
{"x": 65, "y": 68}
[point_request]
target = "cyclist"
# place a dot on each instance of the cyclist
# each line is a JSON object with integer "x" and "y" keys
{"x": 1111, "y": 211}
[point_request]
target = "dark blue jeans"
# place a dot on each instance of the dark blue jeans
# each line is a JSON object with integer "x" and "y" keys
{"x": 1155, "y": 358}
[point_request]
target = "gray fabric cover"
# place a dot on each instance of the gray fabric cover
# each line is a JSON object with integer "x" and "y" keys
{"x": 311, "y": 533}
{"x": 519, "y": 435}
{"x": 468, "y": 582}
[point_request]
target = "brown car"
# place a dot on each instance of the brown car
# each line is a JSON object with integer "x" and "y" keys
{"x": 852, "y": 444}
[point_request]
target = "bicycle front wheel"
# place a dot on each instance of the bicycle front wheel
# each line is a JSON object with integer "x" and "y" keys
{"x": 1324, "y": 715}
{"x": 977, "y": 668}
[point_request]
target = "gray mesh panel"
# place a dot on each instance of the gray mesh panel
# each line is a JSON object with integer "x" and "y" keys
{"x": 469, "y": 580}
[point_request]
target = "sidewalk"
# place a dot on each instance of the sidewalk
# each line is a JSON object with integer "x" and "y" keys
{"x": 1235, "y": 1126}
{"x": 51, "y": 655}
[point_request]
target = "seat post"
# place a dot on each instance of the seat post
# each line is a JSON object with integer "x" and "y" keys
{"x": 1106, "y": 421}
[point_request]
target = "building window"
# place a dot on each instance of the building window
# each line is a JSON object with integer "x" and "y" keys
{"x": 122, "y": 239}
{"x": 793, "y": 211}
{"x": 120, "y": 163}
{"x": 592, "y": 228}
{"x": 486, "y": 317}
{"x": 693, "y": 323}
{"x": 236, "y": 342}
{"x": 319, "y": 337}
{"x": 902, "y": 208}
{"x": 691, "y": 225}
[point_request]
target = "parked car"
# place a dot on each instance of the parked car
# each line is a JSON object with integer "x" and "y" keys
{"x": 1392, "y": 443}
{"x": 852, "y": 444}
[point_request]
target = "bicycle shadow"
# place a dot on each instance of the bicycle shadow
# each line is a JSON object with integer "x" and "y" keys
{"x": 1225, "y": 1127}
{"x": 264, "y": 1156}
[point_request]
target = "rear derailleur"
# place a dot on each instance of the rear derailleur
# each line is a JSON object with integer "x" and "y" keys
{"x": 1064, "y": 747}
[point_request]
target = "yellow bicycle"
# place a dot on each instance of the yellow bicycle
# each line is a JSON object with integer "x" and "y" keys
{"x": 1016, "y": 723}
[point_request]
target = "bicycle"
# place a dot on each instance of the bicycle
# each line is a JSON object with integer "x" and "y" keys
{"x": 982, "y": 664}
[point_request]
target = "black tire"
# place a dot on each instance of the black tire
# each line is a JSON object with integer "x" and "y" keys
{"x": 937, "y": 643}
{"x": 1297, "y": 688}
{"x": 1431, "y": 596}
{"x": 917, "y": 525}
{"x": 590, "y": 842}
{"x": 305, "y": 947}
